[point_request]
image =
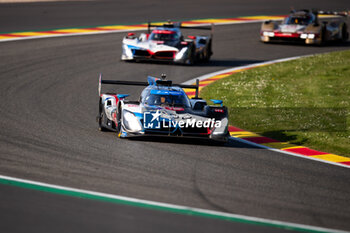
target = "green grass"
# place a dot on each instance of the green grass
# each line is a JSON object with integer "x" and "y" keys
{"x": 304, "y": 101}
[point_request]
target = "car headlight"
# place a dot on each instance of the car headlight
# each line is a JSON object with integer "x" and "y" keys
{"x": 131, "y": 122}
{"x": 309, "y": 36}
{"x": 222, "y": 128}
{"x": 269, "y": 34}
{"x": 180, "y": 54}
{"x": 127, "y": 51}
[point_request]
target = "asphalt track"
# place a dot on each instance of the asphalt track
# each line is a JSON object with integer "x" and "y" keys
{"x": 48, "y": 105}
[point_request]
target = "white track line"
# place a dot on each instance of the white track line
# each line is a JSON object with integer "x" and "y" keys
{"x": 206, "y": 76}
{"x": 268, "y": 222}
{"x": 172, "y": 206}
{"x": 107, "y": 32}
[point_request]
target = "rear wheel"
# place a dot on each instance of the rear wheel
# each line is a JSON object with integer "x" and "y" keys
{"x": 118, "y": 126}
{"x": 344, "y": 33}
{"x": 102, "y": 121}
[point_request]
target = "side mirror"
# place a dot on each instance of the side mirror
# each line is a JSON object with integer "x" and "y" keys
{"x": 217, "y": 101}
{"x": 122, "y": 96}
{"x": 130, "y": 35}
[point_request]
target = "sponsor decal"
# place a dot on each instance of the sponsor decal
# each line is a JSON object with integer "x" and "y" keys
{"x": 177, "y": 109}
{"x": 157, "y": 120}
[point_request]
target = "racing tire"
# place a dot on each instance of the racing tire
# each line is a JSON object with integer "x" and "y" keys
{"x": 119, "y": 126}
{"x": 323, "y": 36}
{"x": 192, "y": 55}
{"x": 344, "y": 33}
{"x": 102, "y": 121}
{"x": 208, "y": 52}
{"x": 223, "y": 141}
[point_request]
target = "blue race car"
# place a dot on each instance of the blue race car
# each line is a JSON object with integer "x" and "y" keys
{"x": 162, "y": 109}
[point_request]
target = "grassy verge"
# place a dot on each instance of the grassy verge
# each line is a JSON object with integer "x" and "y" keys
{"x": 304, "y": 102}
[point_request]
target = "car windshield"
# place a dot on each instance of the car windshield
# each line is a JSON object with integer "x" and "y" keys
{"x": 170, "y": 100}
{"x": 298, "y": 20}
{"x": 164, "y": 36}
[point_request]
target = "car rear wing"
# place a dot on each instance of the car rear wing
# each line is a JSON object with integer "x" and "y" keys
{"x": 341, "y": 13}
{"x": 178, "y": 25}
{"x": 160, "y": 82}
{"x": 320, "y": 12}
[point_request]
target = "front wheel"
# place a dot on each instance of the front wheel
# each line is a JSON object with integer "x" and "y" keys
{"x": 192, "y": 55}
{"x": 323, "y": 35}
{"x": 208, "y": 52}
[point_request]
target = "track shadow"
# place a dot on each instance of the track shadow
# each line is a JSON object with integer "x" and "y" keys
{"x": 192, "y": 141}
{"x": 281, "y": 135}
{"x": 210, "y": 63}
{"x": 302, "y": 44}
{"x": 227, "y": 63}
{"x": 338, "y": 44}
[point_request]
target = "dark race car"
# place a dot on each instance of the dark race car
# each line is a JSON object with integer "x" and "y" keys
{"x": 307, "y": 27}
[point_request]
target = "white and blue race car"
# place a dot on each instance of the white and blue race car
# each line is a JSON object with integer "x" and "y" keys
{"x": 162, "y": 109}
{"x": 167, "y": 43}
